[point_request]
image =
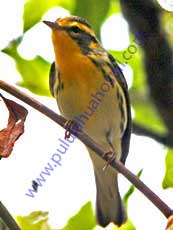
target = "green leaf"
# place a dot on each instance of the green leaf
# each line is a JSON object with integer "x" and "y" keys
{"x": 168, "y": 178}
{"x": 83, "y": 220}
{"x": 166, "y": 20}
{"x": 146, "y": 115}
{"x": 130, "y": 191}
{"x": 114, "y": 8}
{"x": 35, "y": 9}
{"x": 35, "y": 72}
{"x": 94, "y": 11}
{"x": 35, "y": 221}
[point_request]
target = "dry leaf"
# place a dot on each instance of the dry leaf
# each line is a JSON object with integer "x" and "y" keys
{"x": 15, "y": 127}
{"x": 170, "y": 223}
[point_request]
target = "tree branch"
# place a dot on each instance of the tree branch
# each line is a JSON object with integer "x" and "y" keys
{"x": 162, "y": 139}
{"x": 7, "y": 218}
{"x": 163, "y": 207}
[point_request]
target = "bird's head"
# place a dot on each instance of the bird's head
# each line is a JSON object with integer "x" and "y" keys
{"x": 72, "y": 34}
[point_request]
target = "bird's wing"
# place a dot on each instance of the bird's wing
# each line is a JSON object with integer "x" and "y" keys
{"x": 52, "y": 77}
{"x": 126, "y": 136}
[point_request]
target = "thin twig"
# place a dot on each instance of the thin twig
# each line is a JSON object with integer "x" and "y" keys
{"x": 163, "y": 207}
{"x": 162, "y": 139}
{"x": 7, "y": 218}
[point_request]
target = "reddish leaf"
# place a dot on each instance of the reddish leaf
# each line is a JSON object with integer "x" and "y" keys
{"x": 170, "y": 223}
{"x": 15, "y": 127}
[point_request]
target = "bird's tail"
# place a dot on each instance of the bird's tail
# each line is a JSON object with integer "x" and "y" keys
{"x": 109, "y": 205}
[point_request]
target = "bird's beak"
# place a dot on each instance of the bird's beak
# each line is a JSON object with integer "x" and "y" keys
{"x": 52, "y": 25}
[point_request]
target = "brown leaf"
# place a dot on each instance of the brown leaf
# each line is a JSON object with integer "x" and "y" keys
{"x": 170, "y": 223}
{"x": 15, "y": 127}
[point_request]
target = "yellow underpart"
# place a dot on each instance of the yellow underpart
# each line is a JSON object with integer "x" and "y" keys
{"x": 81, "y": 78}
{"x": 106, "y": 124}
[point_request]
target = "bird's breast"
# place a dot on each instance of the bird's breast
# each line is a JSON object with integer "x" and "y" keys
{"x": 80, "y": 77}
{"x": 91, "y": 100}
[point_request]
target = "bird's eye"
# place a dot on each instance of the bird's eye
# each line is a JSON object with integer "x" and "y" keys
{"x": 75, "y": 29}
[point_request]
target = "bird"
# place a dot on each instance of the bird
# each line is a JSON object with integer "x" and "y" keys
{"x": 90, "y": 89}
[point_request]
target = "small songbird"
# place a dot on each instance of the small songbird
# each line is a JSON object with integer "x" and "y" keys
{"x": 90, "y": 88}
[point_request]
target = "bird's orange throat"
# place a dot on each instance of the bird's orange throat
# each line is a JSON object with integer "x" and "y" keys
{"x": 70, "y": 61}
{"x": 66, "y": 49}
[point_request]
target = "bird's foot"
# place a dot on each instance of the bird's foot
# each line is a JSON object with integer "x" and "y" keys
{"x": 109, "y": 157}
{"x": 68, "y": 126}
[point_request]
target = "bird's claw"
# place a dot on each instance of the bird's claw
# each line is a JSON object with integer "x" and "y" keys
{"x": 109, "y": 157}
{"x": 68, "y": 126}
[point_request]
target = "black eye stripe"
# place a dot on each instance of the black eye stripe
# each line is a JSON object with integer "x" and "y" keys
{"x": 75, "y": 29}
{"x": 69, "y": 29}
